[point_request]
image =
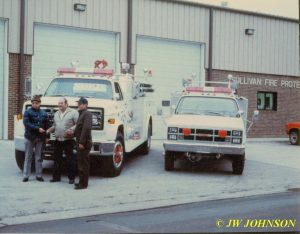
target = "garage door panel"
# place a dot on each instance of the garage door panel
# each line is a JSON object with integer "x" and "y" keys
{"x": 59, "y": 46}
{"x": 170, "y": 62}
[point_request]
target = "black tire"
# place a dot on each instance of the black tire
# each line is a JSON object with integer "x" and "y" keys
{"x": 145, "y": 147}
{"x": 20, "y": 158}
{"x": 169, "y": 161}
{"x": 238, "y": 164}
{"x": 294, "y": 137}
{"x": 113, "y": 165}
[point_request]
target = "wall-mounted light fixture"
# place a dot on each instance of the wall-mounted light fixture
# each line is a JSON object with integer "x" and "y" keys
{"x": 79, "y": 7}
{"x": 249, "y": 31}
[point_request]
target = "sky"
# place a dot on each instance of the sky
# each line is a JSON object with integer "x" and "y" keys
{"x": 286, "y": 8}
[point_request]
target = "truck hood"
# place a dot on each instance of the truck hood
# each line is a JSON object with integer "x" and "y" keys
{"x": 206, "y": 122}
{"x": 110, "y": 106}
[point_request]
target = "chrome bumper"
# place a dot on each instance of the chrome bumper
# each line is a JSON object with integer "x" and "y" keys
{"x": 204, "y": 148}
{"x": 102, "y": 148}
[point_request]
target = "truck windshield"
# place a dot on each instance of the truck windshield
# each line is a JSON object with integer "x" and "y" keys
{"x": 207, "y": 106}
{"x": 91, "y": 88}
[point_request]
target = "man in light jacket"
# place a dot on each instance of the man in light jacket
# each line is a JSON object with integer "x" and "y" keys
{"x": 64, "y": 125}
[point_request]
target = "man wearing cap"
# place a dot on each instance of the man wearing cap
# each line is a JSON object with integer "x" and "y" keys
{"x": 64, "y": 125}
{"x": 35, "y": 121}
{"x": 84, "y": 143}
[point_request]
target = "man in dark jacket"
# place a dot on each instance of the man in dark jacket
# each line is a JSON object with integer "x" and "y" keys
{"x": 84, "y": 143}
{"x": 36, "y": 122}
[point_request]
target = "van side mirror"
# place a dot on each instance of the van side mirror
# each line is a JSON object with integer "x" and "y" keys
{"x": 255, "y": 115}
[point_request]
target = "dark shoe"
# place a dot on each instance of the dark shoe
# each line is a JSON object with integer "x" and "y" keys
{"x": 41, "y": 179}
{"x": 77, "y": 187}
{"x": 25, "y": 179}
{"x": 54, "y": 180}
{"x": 71, "y": 181}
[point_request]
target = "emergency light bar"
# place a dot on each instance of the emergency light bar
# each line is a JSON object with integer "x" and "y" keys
{"x": 209, "y": 89}
{"x": 74, "y": 70}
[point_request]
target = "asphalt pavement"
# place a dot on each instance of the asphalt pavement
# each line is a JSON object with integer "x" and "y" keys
{"x": 275, "y": 212}
{"x": 271, "y": 167}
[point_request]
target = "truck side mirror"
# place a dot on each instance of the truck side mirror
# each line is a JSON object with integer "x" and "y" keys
{"x": 173, "y": 108}
{"x": 117, "y": 96}
{"x": 255, "y": 115}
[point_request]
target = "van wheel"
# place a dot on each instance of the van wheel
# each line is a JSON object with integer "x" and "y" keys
{"x": 113, "y": 165}
{"x": 238, "y": 163}
{"x": 169, "y": 161}
{"x": 145, "y": 147}
{"x": 294, "y": 137}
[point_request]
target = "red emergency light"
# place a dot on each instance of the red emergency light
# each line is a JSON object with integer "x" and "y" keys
{"x": 222, "y": 133}
{"x": 95, "y": 71}
{"x": 209, "y": 89}
{"x": 186, "y": 131}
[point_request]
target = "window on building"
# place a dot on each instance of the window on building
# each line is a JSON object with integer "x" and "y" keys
{"x": 266, "y": 101}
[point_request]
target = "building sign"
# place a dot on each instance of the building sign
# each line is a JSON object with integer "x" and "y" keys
{"x": 267, "y": 82}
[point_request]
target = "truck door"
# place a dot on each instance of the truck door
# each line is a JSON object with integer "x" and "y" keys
{"x": 243, "y": 105}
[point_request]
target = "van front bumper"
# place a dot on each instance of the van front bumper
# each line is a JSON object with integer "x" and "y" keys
{"x": 201, "y": 148}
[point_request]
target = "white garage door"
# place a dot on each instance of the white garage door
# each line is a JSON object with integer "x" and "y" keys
{"x": 2, "y": 52}
{"x": 170, "y": 62}
{"x": 59, "y": 46}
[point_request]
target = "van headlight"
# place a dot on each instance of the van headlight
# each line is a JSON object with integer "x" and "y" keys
{"x": 236, "y": 133}
{"x": 236, "y": 140}
{"x": 172, "y": 137}
{"x": 172, "y": 130}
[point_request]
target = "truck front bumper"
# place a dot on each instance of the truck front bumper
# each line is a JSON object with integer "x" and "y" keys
{"x": 103, "y": 148}
{"x": 201, "y": 148}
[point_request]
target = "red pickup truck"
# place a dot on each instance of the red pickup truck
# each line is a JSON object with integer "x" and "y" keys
{"x": 293, "y": 130}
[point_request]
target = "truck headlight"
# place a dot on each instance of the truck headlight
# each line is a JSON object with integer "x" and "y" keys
{"x": 236, "y": 141}
{"x": 172, "y": 130}
{"x": 236, "y": 133}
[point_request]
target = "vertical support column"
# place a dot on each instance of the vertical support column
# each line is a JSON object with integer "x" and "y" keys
{"x": 22, "y": 58}
{"x": 210, "y": 50}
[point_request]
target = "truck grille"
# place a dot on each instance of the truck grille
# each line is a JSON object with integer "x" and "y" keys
{"x": 205, "y": 135}
{"x": 98, "y": 115}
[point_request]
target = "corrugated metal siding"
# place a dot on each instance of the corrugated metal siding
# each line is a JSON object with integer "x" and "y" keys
{"x": 10, "y": 9}
{"x": 169, "y": 20}
{"x": 273, "y": 49}
{"x": 106, "y": 15}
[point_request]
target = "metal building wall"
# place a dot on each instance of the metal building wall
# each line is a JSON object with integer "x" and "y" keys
{"x": 165, "y": 19}
{"x": 273, "y": 49}
{"x": 106, "y": 15}
{"x": 10, "y": 10}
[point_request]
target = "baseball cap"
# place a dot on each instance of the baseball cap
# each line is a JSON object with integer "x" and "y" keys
{"x": 36, "y": 98}
{"x": 82, "y": 100}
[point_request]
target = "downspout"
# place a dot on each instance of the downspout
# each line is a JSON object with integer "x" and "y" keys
{"x": 22, "y": 57}
{"x": 210, "y": 50}
{"x": 129, "y": 36}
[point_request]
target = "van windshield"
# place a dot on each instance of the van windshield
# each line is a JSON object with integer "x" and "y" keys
{"x": 89, "y": 88}
{"x": 207, "y": 106}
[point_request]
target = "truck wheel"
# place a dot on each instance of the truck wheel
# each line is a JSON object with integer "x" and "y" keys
{"x": 238, "y": 163}
{"x": 145, "y": 147}
{"x": 20, "y": 157}
{"x": 294, "y": 137}
{"x": 169, "y": 161}
{"x": 113, "y": 164}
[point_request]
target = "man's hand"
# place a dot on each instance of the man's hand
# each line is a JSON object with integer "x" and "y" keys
{"x": 81, "y": 146}
{"x": 70, "y": 132}
{"x": 49, "y": 130}
{"x": 41, "y": 130}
